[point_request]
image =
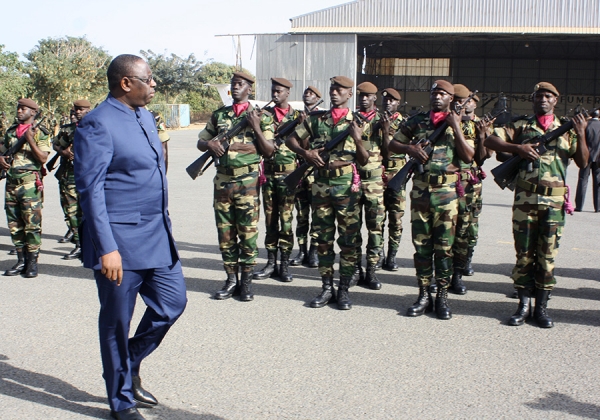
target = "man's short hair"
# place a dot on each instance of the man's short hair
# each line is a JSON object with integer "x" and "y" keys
{"x": 121, "y": 66}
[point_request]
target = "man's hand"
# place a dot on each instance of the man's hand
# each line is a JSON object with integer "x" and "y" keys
{"x": 215, "y": 148}
{"x": 254, "y": 119}
{"x": 527, "y": 151}
{"x": 112, "y": 267}
{"x": 579, "y": 124}
{"x": 416, "y": 151}
{"x": 356, "y": 130}
{"x": 313, "y": 157}
{"x": 385, "y": 124}
{"x": 67, "y": 153}
{"x": 3, "y": 163}
{"x": 29, "y": 136}
{"x": 454, "y": 119}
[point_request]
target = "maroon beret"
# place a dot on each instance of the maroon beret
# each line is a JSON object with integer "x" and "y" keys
{"x": 443, "y": 85}
{"x": 82, "y": 103}
{"x": 29, "y": 103}
{"x": 282, "y": 82}
{"x": 342, "y": 81}
{"x": 546, "y": 86}
{"x": 461, "y": 91}
{"x": 243, "y": 75}
{"x": 314, "y": 90}
{"x": 391, "y": 92}
{"x": 366, "y": 87}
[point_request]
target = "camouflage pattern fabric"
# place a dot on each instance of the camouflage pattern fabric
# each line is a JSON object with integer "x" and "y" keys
{"x": 161, "y": 127}
{"x": 538, "y": 220}
{"x": 303, "y": 200}
{"x": 69, "y": 197}
{"x": 476, "y": 206}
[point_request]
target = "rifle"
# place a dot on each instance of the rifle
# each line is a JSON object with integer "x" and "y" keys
{"x": 199, "y": 165}
{"x": 9, "y": 155}
{"x": 401, "y": 178}
{"x": 505, "y": 174}
{"x": 287, "y": 129}
{"x": 293, "y": 179}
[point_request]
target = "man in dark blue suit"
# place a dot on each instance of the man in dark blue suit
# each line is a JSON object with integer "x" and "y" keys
{"x": 126, "y": 230}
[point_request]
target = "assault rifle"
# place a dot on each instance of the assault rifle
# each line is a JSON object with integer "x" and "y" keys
{"x": 289, "y": 127}
{"x": 506, "y": 173}
{"x": 9, "y": 155}
{"x": 199, "y": 165}
{"x": 401, "y": 178}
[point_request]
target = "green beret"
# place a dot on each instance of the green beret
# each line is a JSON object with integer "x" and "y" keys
{"x": 391, "y": 92}
{"x": 314, "y": 90}
{"x": 342, "y": 81}
{"x": 244, "y": 76}
{"x": 82, "y": 103}
{"x": 366, "y": 87}
{"x": 29, "y": 103}
{"x": 546, "y": 86}
{"x": 282, "y": 82}
{"x": 461, "y": 91}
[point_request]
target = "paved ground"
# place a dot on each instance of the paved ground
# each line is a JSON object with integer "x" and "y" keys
{"x": 277, "y": 358}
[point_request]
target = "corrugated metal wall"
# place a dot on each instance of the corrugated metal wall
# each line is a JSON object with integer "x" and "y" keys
{"x": 454, "y": 16}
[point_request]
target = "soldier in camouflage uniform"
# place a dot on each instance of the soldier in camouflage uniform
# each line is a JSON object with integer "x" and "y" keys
{"x": 306, "y": 255}
{"x": 335, "y": 192}
{"x": 236, "y": 202}
{"x": 24, "y": 188}
{"x": 69, "y": 197}
{"x": 4, "y": 124}
{"x": 163, "y": 136}
{"x": 538, "y": 213}
{"x": 395, "y": 202}
{"x": 277, "y": 201}
{"x": 434, "y": 204}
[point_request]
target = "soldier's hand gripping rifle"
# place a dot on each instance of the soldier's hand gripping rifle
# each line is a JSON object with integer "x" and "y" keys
{"x": 287, "y": 129}
{"x": 506, "y": 173}
{"x": 9, "y": 155}
{"x": 199, "y": 165}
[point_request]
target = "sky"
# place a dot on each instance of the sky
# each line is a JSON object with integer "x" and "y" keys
{"x": 181, "y": 27}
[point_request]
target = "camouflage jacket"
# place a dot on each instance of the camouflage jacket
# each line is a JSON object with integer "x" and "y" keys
{"x": 469, "y": 130}
{"x": 161, "y": 127}
{"x": 283, "y": 155}
{"x": 24, "y": 160}
{"x": 224, "y": 119}
{"x": 372, "y": 141}
{"x": 551, "y": 169}
{"x": 395, "y": 122}
{"x": 64, "y": 139}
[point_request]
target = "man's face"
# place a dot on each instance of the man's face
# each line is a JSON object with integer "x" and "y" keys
{"x": 140, "y": 92}
{"x": 367, "y": 101}
{"x": 240, "y": 89}
{"x": 24, "y": 113}
{"x": 470, "y": 106}
{"x": 279, "y": 94}
{"x": 390, "y": 104}
{"x": 80, "y": 112}
{"x": 309, "y": 98}
{"x": 440, "y": 100}
{"x": 544, "y": 102}
{"x": 339, "y": 95}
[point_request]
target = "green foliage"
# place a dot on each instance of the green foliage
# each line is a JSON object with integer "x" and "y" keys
{"x": 14, "y": 83}
{"x": 66, "y": 69}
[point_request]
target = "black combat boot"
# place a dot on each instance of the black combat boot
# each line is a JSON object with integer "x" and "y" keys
{"x": 270, "y": 269}
{"x": 468, "y": 270}
{"x": 301, "y": 258}
{"x": 229, "y": 289}
{"x": 358, "y": 277}
{"x": 381, "y": 260}
{"x": 343, "y": 300}
{"x": 31, "y": 267}
{"x": 433, "y": 288}
{"x": 246, "y": 294}
{"x": 12, "y": 251}
{"x": 327, "y": 294}
{"x": 541, "y": 317}
{"x": 442, "y": 310}
{"x": 371, "y": 280}
{"x": 67, "y": 238}
{"x": 390, "y": 261}
{"x": 524, "y": 308}
{"x": 313, "y": 256}
{"x": 456, "y": 284}
{"x": 284, "y": 269}
{"x": 74, "y": 254}
{"x": 423, "y": 304}
{"x": 19, "y": 267}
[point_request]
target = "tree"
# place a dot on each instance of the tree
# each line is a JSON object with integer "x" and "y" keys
{"x": 14, "y": 82}
{"x": 66, "y": 69}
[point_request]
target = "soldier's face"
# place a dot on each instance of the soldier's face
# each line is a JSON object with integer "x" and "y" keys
{"x": 240, "y": 89}
{"x": 309, "y": 98}
{"x": 339, "y": 95}
{"x": 440, "y": 100}
{"x": 24, "y": 113}
{"x": 390, "y": 104}
{"x": 279, "y": 94}
{"x": 470, "y": 106}
{"x": 80, "y": 112}
{"x": 367, "y": 101}
{"x": 544, "y": 102}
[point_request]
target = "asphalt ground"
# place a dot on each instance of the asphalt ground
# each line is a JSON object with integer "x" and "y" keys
{"x": 277, "y": 358}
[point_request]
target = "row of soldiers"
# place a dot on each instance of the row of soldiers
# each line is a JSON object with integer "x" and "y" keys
{"x": 349, "y": 183}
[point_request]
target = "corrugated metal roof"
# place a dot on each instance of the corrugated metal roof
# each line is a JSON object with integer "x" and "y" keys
{"x": 454, "y": 16}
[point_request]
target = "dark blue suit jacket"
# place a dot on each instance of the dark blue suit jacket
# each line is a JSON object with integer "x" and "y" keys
{"x": 119, "y": 173}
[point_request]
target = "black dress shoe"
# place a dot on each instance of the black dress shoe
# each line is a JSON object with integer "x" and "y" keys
{"x": 140, "y": 395}
{"x": 127, "y": 414}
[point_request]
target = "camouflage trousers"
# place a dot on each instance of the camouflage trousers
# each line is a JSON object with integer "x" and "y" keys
{"x": 23, "y": 205}
{"x": 69, "y": 201}
{"x": 371, "y": 201}
{"x": 467, "y": 223}
{"x": 395, "y": 205}
{"x": 434, "y": 210}
{"x": 236, "y": 205}
{"x": 303, "y": 202}
{"x": 333, "y": 201}
{"x": 278, "y": 204}
{"x": 537, "y": 230}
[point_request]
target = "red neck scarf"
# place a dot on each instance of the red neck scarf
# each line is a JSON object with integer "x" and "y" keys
{"x": 280, "y": 113}
{"x": 240, "y": 108}
{"x": 369, "y": 115}
{"x": 338, "y": 113}
{"x": 21, "y": 129}
{"x": 437, "y": 117}
{"x": 545, "y": 121}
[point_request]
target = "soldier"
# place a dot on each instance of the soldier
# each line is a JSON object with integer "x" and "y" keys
{"x": 24, "y": 197}
{"x": 395, "y": 202}
{"x": 69, "y": 197}
{"x": 310, "y": 97}
{"x": 538, "y": 213}
{"x": 434, "y": 204}
{"x": 277, "y": 200}
{"x": 4, "y": 124}
{"x": 163, "y": 136}
{"x": 335, "y": 192}
{"x": 236, "y": 201}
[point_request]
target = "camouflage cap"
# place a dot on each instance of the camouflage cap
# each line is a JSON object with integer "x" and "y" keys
{"x": 546, "y": 86}
{"x": 461, "y": 91}
{"x": 391, "y": 92}
{"x": 82, "y": 103}
{"x": 342, "y": 81}
{"x": 282, "y": 82}
{"x": 243, "y": 75}
{"x": 29, "y": 103}
{"x": 366, "y": 87}
{"x": 443, "y": 85}
{"x": 314, "y": 90}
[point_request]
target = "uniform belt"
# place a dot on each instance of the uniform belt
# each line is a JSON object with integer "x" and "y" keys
{"x": 272, "y": 168}
{"x": 438, "y": 179}
{"x": 393, "y": 163}
{"x": 540, "y": 189}
{"x": 332, "y": 173}
{"x": 237, "y": 171}
{"x": 370, "y": 173}
{"x": 23, "y": 180}
{"x": 464, "y": 176}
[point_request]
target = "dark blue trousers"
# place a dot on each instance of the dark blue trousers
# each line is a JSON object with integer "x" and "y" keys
{"x": 163, "y": 291}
